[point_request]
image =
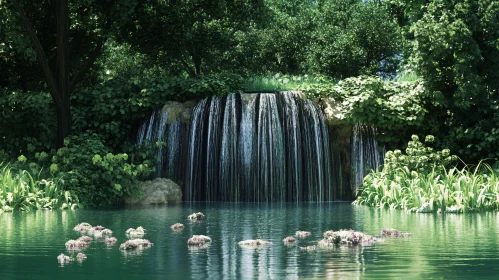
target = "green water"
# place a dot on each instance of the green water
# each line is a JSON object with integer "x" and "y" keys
{"x": 442, "y": 247}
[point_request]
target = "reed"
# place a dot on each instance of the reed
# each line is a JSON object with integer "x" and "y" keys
{"x": 19, "y": 190}
{"x": 451, "y": 190}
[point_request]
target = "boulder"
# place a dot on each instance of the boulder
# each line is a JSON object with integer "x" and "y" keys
{"x": 158, "y": 191}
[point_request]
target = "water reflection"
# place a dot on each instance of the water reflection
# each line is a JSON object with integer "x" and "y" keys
{"x": 442, "y": 246}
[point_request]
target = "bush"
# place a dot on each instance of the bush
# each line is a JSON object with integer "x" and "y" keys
{"x": 97, "y": 176}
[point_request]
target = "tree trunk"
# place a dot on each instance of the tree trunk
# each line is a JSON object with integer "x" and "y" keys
{"x": 63, "y": 123}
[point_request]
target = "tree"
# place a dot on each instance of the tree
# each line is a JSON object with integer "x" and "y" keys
{"x": 191, "y": 36}
{"x": 80, "y": 32}
{"x": 456, "y": 49}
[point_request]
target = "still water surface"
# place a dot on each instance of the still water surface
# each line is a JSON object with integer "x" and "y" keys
{"x": 443, "y": 246}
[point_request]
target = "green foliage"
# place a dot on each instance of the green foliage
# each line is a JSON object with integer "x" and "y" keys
{"x": 456, "y": 50}
{"x": 97, "y": 176}
{"x": 419, "y": 158}
{"x": 453, "y": 190}
{"x": 393, "y": 107}
{"x": 19, "y": 190}
{"x": 114, "y": 107}
{"x": 312, "y": 86}
{"x": 27, "y": 121}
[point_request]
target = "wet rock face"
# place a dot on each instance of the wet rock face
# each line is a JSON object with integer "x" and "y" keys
{"x": 158, "y": 191}
{"x": 179, "y": 111}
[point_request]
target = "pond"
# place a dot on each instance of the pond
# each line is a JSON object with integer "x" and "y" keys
{"x": 443, "y": 246}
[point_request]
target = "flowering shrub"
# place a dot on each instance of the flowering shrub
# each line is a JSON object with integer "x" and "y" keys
{"x": 418, "y": 157}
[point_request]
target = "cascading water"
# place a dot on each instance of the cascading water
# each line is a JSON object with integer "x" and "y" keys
{"x": 365, "y": 153}
{"x": 157, "y": 129}
{"x": 258, "y": 147}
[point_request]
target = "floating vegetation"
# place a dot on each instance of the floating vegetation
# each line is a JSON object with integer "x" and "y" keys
{"x": 136, "y": 244}
{"x": 110, "y": 240}
{"x": 135, "y": 233}
{"x": 80, "y": 257}
{"x": 288, "y": 240}
{"x": 308, "y": 248}
{"x": 177, "y": 227}
{"x": 302, "y": 234}
{"x": 74, "y": 245}
{"x": 254, "y": 243}
{"x": 391, "y": 232}
{"x": 63, "y": 258}
{"x": 82, "y": 227}
{"x": 84, "y": 238}
{"x": 196, "y": 216}
{"x": 346, "y": 237}
{"x": 198, "y": 240}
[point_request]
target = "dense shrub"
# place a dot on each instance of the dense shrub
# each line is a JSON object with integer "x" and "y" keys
{"x": 97, "y": 176}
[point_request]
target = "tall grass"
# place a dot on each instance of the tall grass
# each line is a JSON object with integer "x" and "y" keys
{"x": 452, "y": 190}
{"x": 287, "y": 82}
{"x": 19, "y": 190}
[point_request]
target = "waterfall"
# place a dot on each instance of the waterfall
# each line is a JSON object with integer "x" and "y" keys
{"x": 167, "y": 140}
{"x": 365, "y": 153}
{"x": 259, "y": 147}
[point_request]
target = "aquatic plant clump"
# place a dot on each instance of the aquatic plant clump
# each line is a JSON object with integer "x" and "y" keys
{"x": 135, "y": 233}
{"x": 76, "y": 244}
{"x": 346, "y": 237}
{"x": 254, "y": 243}
{"x": 63, "y": 258}
{"x": 289, "y": 239}
{"x": 110, "y": 240}
{"x": 177, "y": 226}
{"x": 391, "y": 232}
{"x": 196, "y": 216}
{"x": 302, "y": 234}
{"x": 82, "y": 227}
{"x": 84, "y": 238}
{"x": 80, "y": 257}
{"x": 136, "y": 244}
{"x": 198, "y": 240}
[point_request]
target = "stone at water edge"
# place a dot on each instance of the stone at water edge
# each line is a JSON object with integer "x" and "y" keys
{"x": 158, "y": 191}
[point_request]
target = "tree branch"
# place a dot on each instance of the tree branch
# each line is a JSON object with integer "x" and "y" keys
{"x": 40, "y": 54}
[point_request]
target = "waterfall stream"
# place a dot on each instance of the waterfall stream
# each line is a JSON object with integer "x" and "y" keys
{"x": 256, "y": 147}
